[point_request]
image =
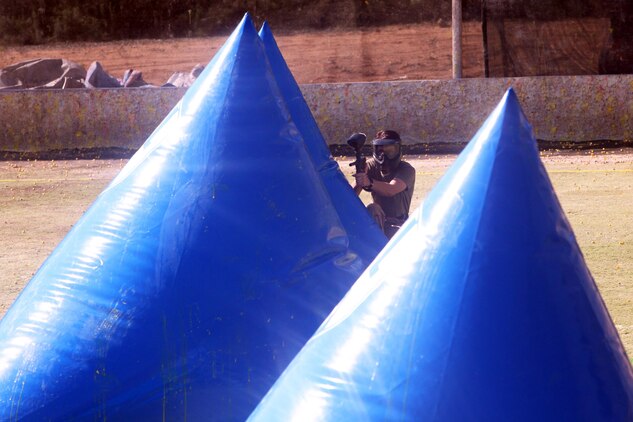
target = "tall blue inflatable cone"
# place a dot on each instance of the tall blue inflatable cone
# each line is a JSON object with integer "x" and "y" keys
{"x": 480, "y": 309}
{"x": 366, "y": 238}
{"x": 195, "y": 277}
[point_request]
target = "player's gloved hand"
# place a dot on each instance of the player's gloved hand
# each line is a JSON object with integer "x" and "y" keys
{"x": 362, "y": 180}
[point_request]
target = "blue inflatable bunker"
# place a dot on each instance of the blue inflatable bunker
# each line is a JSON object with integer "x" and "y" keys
{"x": 196, "y": 276}
{"x": 480, "y": 309}
{"x": 364, "y": 234}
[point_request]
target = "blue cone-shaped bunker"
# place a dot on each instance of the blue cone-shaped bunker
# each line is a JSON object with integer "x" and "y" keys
{"x": 480, "y": 309}
{"x": 195, "y": 277}
{"x": 366, "y": 238}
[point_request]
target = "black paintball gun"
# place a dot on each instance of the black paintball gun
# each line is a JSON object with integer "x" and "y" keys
{"x": 356, "y": 141}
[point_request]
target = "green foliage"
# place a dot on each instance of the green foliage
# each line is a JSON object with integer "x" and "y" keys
{"x": 17, "y": 30}
{"x": 73, "y": 25}
{"x": 38, "y": 21}
{"x": 548, "y": 9}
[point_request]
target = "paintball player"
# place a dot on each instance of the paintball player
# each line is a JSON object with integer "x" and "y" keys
{"x": 390, "y": 182}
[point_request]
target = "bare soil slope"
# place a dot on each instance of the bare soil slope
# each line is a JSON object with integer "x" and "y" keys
{"x": 389, "y": 53}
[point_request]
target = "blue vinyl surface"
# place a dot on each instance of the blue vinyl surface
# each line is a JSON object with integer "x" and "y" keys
{"x": 198, "y": 273}
{"x": 366, "y": 238}
{"x": 480, "y": 309}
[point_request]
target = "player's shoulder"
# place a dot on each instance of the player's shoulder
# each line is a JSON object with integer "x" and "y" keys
{"x": 406, "y": 166}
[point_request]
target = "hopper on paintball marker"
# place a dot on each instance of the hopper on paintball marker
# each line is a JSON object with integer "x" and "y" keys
{"x": 357, "y": 141}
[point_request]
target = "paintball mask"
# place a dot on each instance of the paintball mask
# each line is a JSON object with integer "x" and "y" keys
{"x": 387, "y": 152}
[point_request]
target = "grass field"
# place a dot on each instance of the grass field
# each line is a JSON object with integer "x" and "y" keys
{"x": 41, "y": 200}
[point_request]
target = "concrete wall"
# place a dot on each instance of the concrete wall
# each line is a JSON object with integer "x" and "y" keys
{"x": 581, "y": 108}
{"x": 40, "y": 120}
{"x": 576, "y": 108}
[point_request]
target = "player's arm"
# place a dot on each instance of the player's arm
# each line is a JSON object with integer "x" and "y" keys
{"x": 388, "y": 188}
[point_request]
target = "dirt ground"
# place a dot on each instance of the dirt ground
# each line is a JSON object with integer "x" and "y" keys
{"x": 396, "y": 52}
{"x": 41, "y": 200}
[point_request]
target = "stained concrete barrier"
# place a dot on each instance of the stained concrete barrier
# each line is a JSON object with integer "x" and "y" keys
{"x": 560, "y": 108}
{"x": 42, "y": 120}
